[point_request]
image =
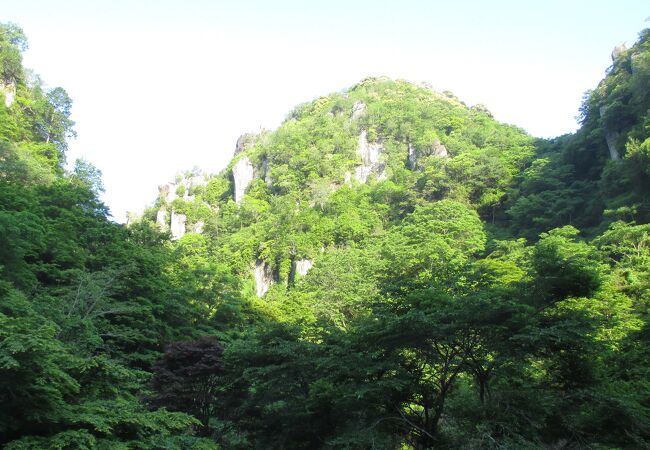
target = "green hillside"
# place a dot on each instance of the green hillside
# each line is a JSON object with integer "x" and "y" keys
{"x": 343, "y": 170}
{"x": 389, "y": 269}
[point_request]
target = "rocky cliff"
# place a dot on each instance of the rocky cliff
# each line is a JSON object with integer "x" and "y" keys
{"x": 287, "y": 195}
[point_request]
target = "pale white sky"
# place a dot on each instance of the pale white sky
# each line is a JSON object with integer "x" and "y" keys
{"x": 163, "y": 86}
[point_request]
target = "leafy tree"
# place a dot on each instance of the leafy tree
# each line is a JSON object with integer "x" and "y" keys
{"x": 432, "y": 246}
{"x": 566, "y": 267}
{"x": 88, "y": 175}
{"x": 481, "y": 289}
{"x": 12, "y": 43}
{"x": 187, "y": 379}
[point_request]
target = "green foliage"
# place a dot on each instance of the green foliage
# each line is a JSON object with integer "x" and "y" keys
{"x": 86, "y": 305}
{"x": 566, "y": 268}
{"x": 427, "y": 319}
{"x": 480, "y": 289}
{"x": 88, "y": 175}
{"x": 12, "y": 43}
{"x": 575, "y": 184}
{"x": 341, "y": 286}
{"x": 433, "y": 246}
{"x": 33, "y": 367}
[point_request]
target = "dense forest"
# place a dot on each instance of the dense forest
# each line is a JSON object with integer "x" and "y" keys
{"x": 389, "y": 269}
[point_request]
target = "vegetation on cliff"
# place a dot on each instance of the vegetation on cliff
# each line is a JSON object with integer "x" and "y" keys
{"x": 390, "y": 268}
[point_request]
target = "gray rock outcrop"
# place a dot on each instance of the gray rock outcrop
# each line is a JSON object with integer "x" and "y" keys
{"x": 436, "y": 149}
{"x": 412, "y": 158}
{"x": 9, "y": 91}
{"x": 168, "y": 191}
{"x": 302, "y": 266}
{"x": 611, "y": 137}
{"x": 618, "y": 51}
{"x": 177, "y": 226}
{"x": 242, "y": 174}
{"x": 161, "y": 219}
{"x": 245, "y": 141}
{"x": 176, "y": 222}
{"x": 266, "y": 171}
{"x": 299, "y": 268}
{"x": 263, "y": 277}
{"x": 370, "y": 161}
{"x": 359, "y": 109}
{"x": 439, "y": 149}
{"x": 198, "y": 227}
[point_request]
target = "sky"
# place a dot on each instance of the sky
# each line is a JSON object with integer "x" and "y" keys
{"x": 160, "y": 87}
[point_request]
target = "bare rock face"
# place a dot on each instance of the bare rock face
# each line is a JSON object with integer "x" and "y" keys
{"x": 359, "y": 109}
{"x": 189, "y": 183}
{"x": 439, "y": 149}
{"x": 618, "y": 51}
{"x": 167, "y": 192}
{"x": 369, "y": 153}
{"x": 611, "y": 137}
{"x": 412, "y": 158}
{"x": 9, "y": 91}
{"x": 299, "y": 268}
{"x": 302, "y": 266}
{"x": 266, "y": 171}
{"x": 161, "y": 219}
{"x": 176, "y": 222}
{"x": 245, "y": 141}
{"x": 436, "y": 149}
{"x": 198, "y": 227}
{"x": 263, "y": 277}
{"x": 178, "y": 225}
{"x": 242, "y": 174}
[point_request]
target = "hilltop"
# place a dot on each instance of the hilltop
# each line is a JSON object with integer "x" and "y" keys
{"x": 345, "y": 168}
{"x": 390, "y": 268}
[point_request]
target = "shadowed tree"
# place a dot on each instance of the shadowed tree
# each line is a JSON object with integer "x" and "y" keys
{"x": 186, "y": 378}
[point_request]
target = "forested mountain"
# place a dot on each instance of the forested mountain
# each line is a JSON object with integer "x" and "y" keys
{"x": 388, "y": 269}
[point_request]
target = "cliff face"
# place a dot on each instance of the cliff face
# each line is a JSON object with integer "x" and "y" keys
{"x": 172, "y": 196}
{"x": 354, "y": 267}
{"x": 242, "y": 175}
{"x": 289, "y": 195}
{"x": 346, "y": 166}
{"x": 621, "y": 101}
{"x": 369, "y": 153}
{"x": 263, "y": 274}
{"x": 9, "y": 92}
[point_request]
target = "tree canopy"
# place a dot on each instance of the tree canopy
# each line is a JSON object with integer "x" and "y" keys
{"x": 401, "y": 271}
